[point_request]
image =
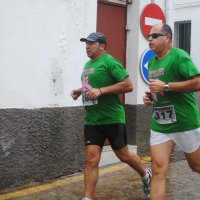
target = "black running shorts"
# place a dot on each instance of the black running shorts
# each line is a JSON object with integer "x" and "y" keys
{"x": 97, "y": 134}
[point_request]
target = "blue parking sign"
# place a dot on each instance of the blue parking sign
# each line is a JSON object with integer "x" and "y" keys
{"x": 146, "y": 57}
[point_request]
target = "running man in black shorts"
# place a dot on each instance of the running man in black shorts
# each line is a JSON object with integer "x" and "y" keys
{"x": 103, "y": 79}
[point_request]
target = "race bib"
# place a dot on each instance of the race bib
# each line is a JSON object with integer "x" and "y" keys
{"x": 86, "y": 101}
{"x": 165, "y": 115}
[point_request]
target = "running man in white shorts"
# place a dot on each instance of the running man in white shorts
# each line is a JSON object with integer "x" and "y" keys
{"x": 175, "y": 114}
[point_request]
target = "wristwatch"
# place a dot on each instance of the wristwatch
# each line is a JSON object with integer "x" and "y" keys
{"x": 166, "y": 87}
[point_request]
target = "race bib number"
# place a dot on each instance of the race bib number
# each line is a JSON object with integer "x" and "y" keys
{"x": 86, "y": 101}
{"x": 165, "y": 115}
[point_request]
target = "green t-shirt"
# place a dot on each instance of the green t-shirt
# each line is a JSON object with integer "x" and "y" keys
{"x": 103, "y": 72}
{"x": 174, "y": 111}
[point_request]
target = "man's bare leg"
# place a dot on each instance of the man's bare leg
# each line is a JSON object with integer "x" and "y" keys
{"x": 133, "y": 160}
{"x": 194, "y": 160}
{"x": 160, "y": 155}
{"x": 91, "y": 172}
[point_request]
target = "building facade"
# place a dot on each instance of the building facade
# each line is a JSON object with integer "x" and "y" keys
{"x": 41, "y": 60}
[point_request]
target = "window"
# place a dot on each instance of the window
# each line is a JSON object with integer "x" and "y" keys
{"x": 182, "y": 35}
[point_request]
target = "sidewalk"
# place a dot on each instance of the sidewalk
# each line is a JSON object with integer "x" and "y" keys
{"x": 116, "y": 182}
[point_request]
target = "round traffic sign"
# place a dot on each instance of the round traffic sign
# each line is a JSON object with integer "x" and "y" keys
{"x": 146, "y": 57}
{"x": 151, "y": 15}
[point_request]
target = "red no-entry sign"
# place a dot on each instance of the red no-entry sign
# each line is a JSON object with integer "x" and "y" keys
{"x": 151, "y": 15}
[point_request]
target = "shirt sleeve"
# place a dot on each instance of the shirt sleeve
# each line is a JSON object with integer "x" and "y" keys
{"x": 118, "y": 72}
{"x": 187, "y": 68}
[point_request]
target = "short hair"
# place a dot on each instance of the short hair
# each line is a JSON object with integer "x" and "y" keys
{"x": 167, "y": 29}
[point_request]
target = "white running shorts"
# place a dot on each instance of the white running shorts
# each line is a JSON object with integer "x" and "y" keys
{"x": 187, "y": 141}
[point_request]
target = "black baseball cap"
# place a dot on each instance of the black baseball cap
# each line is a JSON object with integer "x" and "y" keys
{"x": 95, "y": 37}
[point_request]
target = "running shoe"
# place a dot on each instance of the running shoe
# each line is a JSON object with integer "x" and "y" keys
{"x": 147, "y": 183}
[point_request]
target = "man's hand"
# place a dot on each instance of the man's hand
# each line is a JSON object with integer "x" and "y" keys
{"x": 76, "y": 93}
{"x": 156, "y": 86}
{"x": 146, "y": 99}
{"x": 94, "y": 93}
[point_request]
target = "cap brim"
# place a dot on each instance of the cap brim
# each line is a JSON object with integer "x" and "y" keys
{"x": 83, "y": 39}
{"x": 86, "y": 39}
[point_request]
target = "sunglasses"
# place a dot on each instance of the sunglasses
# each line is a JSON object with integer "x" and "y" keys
{"x": 156, "y": 35}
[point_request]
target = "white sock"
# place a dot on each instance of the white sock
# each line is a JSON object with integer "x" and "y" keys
{"x": 85, "y": 198}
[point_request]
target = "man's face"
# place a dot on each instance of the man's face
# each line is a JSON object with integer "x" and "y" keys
{"x": 157, "y": 39}
{"x": 94, "y": 49}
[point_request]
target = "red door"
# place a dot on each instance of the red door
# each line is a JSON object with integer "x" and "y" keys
{"x": 111, "y": 20}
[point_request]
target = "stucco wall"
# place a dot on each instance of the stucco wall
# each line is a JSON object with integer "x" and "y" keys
{"x": 41, "y": 60}
{"x": 138, "y": 126}
{"x": 41, "y": 53}
{"x": 40, "y": 144}
{"x": 47, "y": 143}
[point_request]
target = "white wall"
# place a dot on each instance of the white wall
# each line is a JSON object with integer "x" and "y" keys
{"x": 41, "y": 57}
{"x": 181, "y": 10}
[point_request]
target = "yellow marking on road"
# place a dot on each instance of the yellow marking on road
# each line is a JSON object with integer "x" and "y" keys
{"x": 146, "y": 158}
{"x": 57, "y": 183}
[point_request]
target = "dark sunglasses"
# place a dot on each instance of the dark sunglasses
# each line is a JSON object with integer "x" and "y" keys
{"x": 156, "y": 35}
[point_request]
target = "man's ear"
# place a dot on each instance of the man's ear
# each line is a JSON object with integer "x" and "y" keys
{"x": 102, "y": 46}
